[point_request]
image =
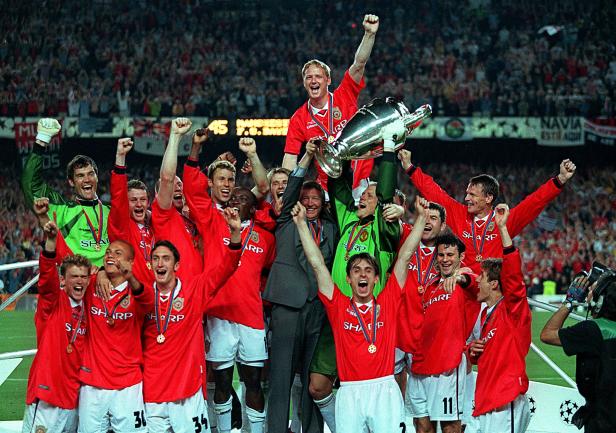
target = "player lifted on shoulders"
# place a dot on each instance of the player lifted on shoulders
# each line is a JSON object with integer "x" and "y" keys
{"x": 364, "y": 331}
{"x": 325, "y": 114}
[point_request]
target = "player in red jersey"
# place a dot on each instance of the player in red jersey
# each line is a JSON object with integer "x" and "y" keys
{"x": 364, "y": 330}
{"x": 235, "y": 325}
{"x": 111, "y": 397}
{"x": 436, "y": 383}
{"x": 173, "y": 340}
{"x": 169, "y": 221}
{"x": 500, "y": 352}
{"x": 61, "y": 324}
{"x": 473, "y": 221}
{"x": 129, "y": 217}
{"x": 325, "y": 114}
{"x": 422, "y": 268}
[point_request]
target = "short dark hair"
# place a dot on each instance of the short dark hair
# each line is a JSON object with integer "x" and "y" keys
{"x": 488, "y": 183}
{"x": 79, "y": 161}
{"x": 172, "y": 248}
{"x": 493, "y": 268}
{"x": 606, "y": 288}
{"x": 137, "y": 184}
{"x": 74, "y": 260}
{"x": 450, "y": 240}
{"x": 362, "y": 256}
{"x": 252, "y": 196}
{"x": 439, "y": 208}
{"x": 129, "y": 247}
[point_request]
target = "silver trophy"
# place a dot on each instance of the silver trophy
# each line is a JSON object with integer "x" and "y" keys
{"x": 363, "y": 136}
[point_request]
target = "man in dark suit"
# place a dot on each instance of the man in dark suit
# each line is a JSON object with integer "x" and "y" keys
{"x": 297, "y": 313}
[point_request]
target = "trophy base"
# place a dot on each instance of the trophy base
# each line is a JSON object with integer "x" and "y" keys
{"x": 328, "y": 161}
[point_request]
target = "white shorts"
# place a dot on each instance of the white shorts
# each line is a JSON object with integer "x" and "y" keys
{"x": 41, "y": 417}
{"x": 230, "y": 342}
{"x": 120, "y": 410}
{"x": 182, "y": 416}
{"x": 370, "y": 405}
{"x": 400, "y": 361}
{"x": 512, "y": 417}
{"x": 439, "y": 397}
{"x": 471, "y": 423}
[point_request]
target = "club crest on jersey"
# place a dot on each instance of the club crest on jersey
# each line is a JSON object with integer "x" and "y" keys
{"x": 491, "y": 226}
{"x": 40, "y": 429}
{"x": 337, "y": 113}
{"x": 254, "y": 237}
{"x": 178, "y": 304}
{"x": 125, "y": 302}
{"x": 363, "y": 236}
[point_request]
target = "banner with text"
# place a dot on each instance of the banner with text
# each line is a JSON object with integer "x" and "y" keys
{"x": 561, "y": 131}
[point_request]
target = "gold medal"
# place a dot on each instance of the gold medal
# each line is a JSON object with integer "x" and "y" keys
{"x": 69, "y": 348}
{"x": 372, "y": 348}
{"x": 478, "y": 258}
{"x": 110, "y": 321}
{"x": 346, "y": 257}
{"x": 97, "y": 247}
{"x": 420, "y": 289}
{"x": 160, "y": 339}
{"x": 330, "y": 139}
{"x": 149, "y": 265}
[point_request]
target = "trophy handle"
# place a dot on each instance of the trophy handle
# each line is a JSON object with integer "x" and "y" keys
{"x": 327, "y": 157}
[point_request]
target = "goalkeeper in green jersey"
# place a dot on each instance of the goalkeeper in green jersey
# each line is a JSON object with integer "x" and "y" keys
{"x": 82, "y": 219}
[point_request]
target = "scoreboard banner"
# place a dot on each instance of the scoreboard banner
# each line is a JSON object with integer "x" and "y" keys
{"x": 547, "y": 131}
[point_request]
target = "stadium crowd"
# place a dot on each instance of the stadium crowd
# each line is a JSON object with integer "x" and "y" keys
{"x": 483, "y": 58}
{"x": 574, "y": 230}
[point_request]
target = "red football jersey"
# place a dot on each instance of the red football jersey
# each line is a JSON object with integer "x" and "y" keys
{"x": 411, "y": 314}
{"x": 120, "y": 226}
{"x": 506, "y": 330}
{"x": 302, "y": 126}
{"x": 54, "y": 374}
{"x": 444, "y": 328}
{"x": 112, "y": 356}
{"x": 170, "y": 225}
{"x": 175, "y": 369}
{"x": 239, "y": 300}
{"x": 354, "y": 360}
{"x": 464, "y": 225}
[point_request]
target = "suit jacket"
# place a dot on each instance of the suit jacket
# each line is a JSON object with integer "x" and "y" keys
{"x": 291, "y": 280}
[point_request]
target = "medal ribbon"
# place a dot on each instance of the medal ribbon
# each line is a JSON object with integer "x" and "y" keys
{"x": 428, "y": 284}
{"x": 361, "y": 322}
{"x": 74, "y": 336}
{"x": 97, "y": 236}
{"x": 483, "y": 236}
{"x": 330, "y": 115}
{"x": 147, "y": 254}
{"x": 316, "y": 228}
{"x": 353, "y": 240}
{"x": 157, "y": 309}
{"x": 489, "y": 315}
{"x": 115, "y": 307}
{"x": 247, "y": 239}
{"x": 423, "y": 281}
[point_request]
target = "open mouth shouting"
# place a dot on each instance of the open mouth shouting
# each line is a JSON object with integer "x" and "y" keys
{"x": 362, "y": 284}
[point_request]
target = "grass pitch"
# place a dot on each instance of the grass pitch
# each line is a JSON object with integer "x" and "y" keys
{"x": 17, "y": 333}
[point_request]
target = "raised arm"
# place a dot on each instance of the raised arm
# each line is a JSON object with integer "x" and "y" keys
{"x": 312, "y": 252}
{"x": 32, "y": 183}
{"x": 119, "y": 215}
{"x": 371, "y": 26}
{"x": 296, "y": 180}
{"x": 48, "y": 285}
{"x": 179, "y": 127}
{"x": 528, "y": 209}
{"x": 259, "y": 175}
{"x": 408, "y": 248}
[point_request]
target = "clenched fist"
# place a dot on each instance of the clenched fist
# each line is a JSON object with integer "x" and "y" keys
{"x": 46, "y": 128}
{"x": 180, "y": 126}
{"x": 124, "y": 146}
{"x": 248, "y": 145}
{"x": 371, "y": 24}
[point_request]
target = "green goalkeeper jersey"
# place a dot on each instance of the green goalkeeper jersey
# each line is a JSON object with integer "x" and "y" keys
{"x": 83, "y": 223}
{"x": 372, "y": 234}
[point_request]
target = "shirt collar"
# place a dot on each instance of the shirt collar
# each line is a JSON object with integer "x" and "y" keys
{"x": 315, "y": 110}
{"x": 75, "y": 303}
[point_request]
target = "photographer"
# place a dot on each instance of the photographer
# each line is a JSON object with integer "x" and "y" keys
{"x": 594, "y": 343}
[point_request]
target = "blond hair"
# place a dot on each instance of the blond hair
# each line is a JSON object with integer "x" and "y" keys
{"x": 316, "y": 62}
